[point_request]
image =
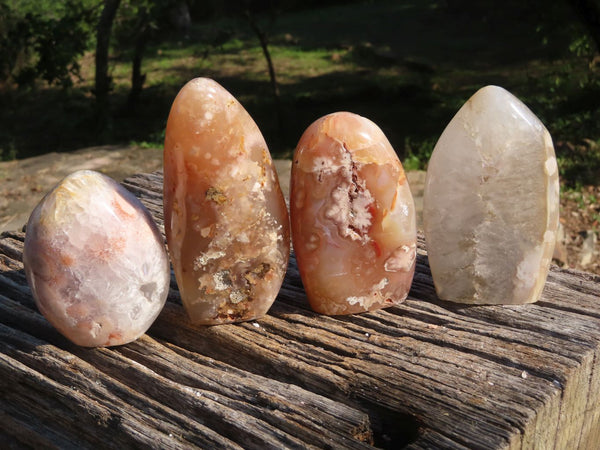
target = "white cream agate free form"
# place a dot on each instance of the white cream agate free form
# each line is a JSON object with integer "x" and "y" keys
{"x": 491, "y": 203}
{"x": 95, "y": 261}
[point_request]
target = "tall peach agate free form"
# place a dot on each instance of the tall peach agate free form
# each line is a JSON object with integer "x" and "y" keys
{"x": 491, "y": 203}
{"x": 226, "y": 221}
{"x": 95, "y": 261}
{"x": 353, "y": 217}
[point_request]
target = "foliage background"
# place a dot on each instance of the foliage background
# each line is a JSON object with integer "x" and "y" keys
{"x": 407, "y": 65}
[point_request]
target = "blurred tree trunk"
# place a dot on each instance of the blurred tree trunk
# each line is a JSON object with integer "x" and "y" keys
{"x": 102, "y": 82}
{"x": 264, "y": 43}
{"x": 263, "y": 38}
{"x": 137, "y": 77}
{"x": 151, "y": 18}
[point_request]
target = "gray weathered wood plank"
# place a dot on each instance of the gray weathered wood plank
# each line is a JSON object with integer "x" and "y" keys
{"x": 426, "y": 373}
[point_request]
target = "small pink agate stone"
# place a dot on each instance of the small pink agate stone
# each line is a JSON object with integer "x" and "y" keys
{"x": 95, "y": 261}
{"x": 353, "y": 217}
{"x": 226, "y": 221}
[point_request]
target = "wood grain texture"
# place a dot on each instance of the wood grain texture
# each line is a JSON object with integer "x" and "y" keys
{"x": 423, "y": 374}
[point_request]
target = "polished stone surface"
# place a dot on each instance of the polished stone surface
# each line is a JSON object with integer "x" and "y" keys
{"x": 353, "y": 217}
{"x": 95, "y": 261}
{"x": 491, "y": 203}
{"x": 226, "y": 220}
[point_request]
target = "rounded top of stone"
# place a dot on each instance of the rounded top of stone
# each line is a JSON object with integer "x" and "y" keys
{"x": 85, "y": 176}
{"x": 203, "y": 83}
{"x": 205, "y": 92}
{"x": 493, "y": 88}
{"x": 355, "y": 134}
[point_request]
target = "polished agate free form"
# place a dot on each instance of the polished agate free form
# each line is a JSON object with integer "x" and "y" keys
{"x": 226, "y": 221}
{"x": 353, "y": 217}
{"x": 95, "y": 261}
{"x": 491, "y": 202}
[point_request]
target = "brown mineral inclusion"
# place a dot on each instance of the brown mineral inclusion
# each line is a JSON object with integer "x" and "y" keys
{"x": 353, "y": 217}
{"x": 226, "y": 221}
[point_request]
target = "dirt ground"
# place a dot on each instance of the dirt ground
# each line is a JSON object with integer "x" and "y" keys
{"x": 24, "y": 182}
{"x": 580, "y": 219}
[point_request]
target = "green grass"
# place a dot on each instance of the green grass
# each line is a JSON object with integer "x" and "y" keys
{"x": 407, "y": 65}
